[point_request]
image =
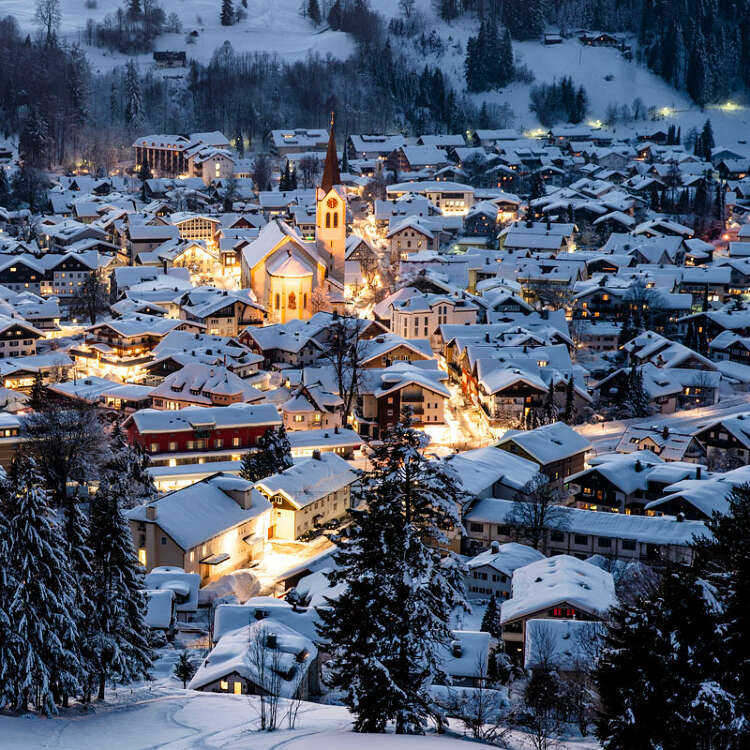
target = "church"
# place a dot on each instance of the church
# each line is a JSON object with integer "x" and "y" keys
{"x": 283, "y": 270}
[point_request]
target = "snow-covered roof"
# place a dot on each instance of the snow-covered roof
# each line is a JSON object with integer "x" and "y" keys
{"x": 561, "y": 579}
{"x": 505, "y": 558}
{"x": 201, "y": 511}
{"x": 270, "y": 655}
{"x": 549, "y": 443}
{"x": 646, "y": 529}
{"x": 310, "y": 479}
{"x": 183, "y": 585}
{"x": 481, "y": 468}
{"x": 198, "y": 417}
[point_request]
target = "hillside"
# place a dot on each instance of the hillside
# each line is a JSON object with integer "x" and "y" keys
{"x": 277, "y": 28}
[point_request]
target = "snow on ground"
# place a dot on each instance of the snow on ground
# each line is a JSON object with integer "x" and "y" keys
{"x": 270, "y": 26}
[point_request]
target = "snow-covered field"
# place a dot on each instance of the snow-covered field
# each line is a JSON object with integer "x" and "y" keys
{"x": 164, "y": 716}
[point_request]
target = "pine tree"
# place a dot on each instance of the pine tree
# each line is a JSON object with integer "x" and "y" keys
{"x": 227, "y": 13}
{"x": 724, "y": 558}
{"x": 569, "y": 414}
{"x": 272, "y": 455}
{"x": 313, "y": 12}
{"x": 38, "y": 397}
{"x": 131, "y": 463}
{"x": 636, "y": 403}
{"x": 134, "y": 103}
{"x": 707, "y": 140}
{"x": 184, "y": 669}
{"x": 285, "y": 183}
{"x": 4, "y": 189}
{"x": 385, "y": 631}
{"x": 38, "y": 653}
{"x": 659, "y": 675}
{"x": 491, "y": 619}
{"x": 120, "y": 650}
{"x": 239, "y": 144}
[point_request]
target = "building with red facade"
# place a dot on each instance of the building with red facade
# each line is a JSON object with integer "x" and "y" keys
{"x": 198, "y": 434}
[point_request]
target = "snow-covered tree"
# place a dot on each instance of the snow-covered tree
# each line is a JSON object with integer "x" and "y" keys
{"x": 184, "y": 669}
{"x": 91, "y": 298}
{"x": 227, "y": 13}
{"x": 39, "y": 657}
{"x": 120, "y": 649}
{"x": 272, "y": 455}
{"x": 660, "y": 674}
{"x": 491, "y": 619}
{"x": 386, "y": 629}
{"x": 131, "y": 463}
{"x": 538, "y": 508}
{"x": 133, "y": 98}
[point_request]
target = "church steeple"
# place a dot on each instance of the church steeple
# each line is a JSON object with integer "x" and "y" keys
{"x": 331, "y": 175}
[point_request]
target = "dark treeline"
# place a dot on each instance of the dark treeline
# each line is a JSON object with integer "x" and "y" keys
{"x": 66, "y": 115}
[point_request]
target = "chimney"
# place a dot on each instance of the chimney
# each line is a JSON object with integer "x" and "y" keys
{"x": 271, "y": 640}
{"x": 638, "y": 465}
{"x": 316, "y": 453}
{"x": 151, "y": 512}
{"x": 243, "y": 498}
{"x": 495, "y": 546}
{"x": 698, "y": 472}
{"x": 456, "y": 649}
{"x": 680, "y": 517}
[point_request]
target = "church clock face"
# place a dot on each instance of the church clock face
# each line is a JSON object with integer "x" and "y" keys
{"x": 331, "y": 203}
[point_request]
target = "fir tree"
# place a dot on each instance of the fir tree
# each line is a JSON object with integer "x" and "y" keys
{"x": 313, "y": 12}
{"x": 39, "y": 658}
{"x": 637, "y": 403}
{"x": 38, "y": 397}
{"x": 272, "y": 455}
{"x": 659, "y": 675}
{"x": 707, "y": 140}
{"x": 120, "y": 650}
{"x": 131, "y": 463}
{"x": 569, "y": 414}
{"x": 239, "y": 144}
{"x": 184, "y": 669}
{"x": 724, "y": 559}
{"x": 4, "y": 189}
{"x": 285, "y": 183}
{"x": 491, "y": 619}
{"x": 133, "y": 97}
{"x": 227, "y": 13}
{"x": 386, "y": 629}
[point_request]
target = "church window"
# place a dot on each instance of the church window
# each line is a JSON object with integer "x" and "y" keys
{"x": 331, "y": 203}
{"x": 335, "y": 220}
{"x": 291, "y": 301}
{"x": 304, "y": 301}
{"x": 278, "y": 302}
{"x": 328, "y": 219}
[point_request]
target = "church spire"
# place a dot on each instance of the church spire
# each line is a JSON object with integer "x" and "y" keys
{"x": 331, "y": 174}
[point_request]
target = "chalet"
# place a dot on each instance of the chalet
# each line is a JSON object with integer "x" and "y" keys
{"x": 666, "y": 442}
{"x": 558, "y": 449}
{"x": 199, "y": 433}
{"x": 170, "y": 59}
{"x": 17, "y": 338}
{"x": 210, "y": 528}
{"x": 222, "y": 312}
{"x": 198, "y": 384}
{"x": 558, "y": 587}
{"x": 409, "y": 236}
{"x": 308, "y": 495}
{"x": 490, "y": 572}
{"x": 583, "y": 533}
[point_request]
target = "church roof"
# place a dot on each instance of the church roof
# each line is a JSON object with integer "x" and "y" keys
{"x": 331, "y": 175}
{"x": 288, "y": 267}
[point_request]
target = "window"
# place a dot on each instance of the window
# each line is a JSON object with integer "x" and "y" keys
{"x": 224, "y": 684}
{"x": 628, "y": 544}
{"x": 299, "y": 418}
{"x": 328, "y": 219}
{"x": 503, "y": 530}
{"x": 304, "y": 301}
{"x": 235, "y": 441}
{"x": 164, "y": 540}
{"x": 173, "y": 446}
{"x": 278, "y": 302}
{"x": 291, "y": 301}
{"x": 604, "y": 541}
{"x": 556, "y": 536}
{"x": 335, "y": 220}
{"x": 581, "y": 539}
{"x": 142, "y": 556}
{"x": 154, "y": 447}
{"x": 479, "y": 527}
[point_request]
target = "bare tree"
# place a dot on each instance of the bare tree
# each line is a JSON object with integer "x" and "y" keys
{"x": 68, "y": 444}
{"x": 309, "y": 167}
{"x": 319, "y": 300}
{"x": 91, "y": 298}
{"x": 483, "y": 710}
{"x": 265, "y": 658}
{"x": 547, "y": 294}
{"x": 345, "y": 352}
{"x": 406, "y": 7}
{"x": 48, "y": 16}
{"x": 262, "y": 172}
{"x": 536, "y": 510}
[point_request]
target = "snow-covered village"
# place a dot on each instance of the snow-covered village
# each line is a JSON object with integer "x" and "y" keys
{"x": 374, "y": 374}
